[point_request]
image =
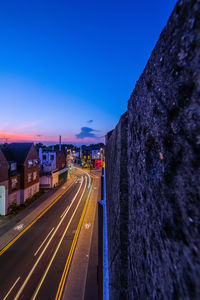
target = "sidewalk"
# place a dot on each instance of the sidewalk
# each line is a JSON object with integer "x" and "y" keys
{"x": 85, "y": 259}
{"x": 11, "y": 227}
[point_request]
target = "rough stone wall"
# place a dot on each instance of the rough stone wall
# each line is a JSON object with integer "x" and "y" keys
{"x": 117, "y": 206}
{"x": 163, "y": 170}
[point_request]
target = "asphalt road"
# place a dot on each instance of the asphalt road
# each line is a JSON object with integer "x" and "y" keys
{"x": 32, "y": 267}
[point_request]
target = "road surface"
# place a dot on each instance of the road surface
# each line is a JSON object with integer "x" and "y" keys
{"x": 32, "y": 267}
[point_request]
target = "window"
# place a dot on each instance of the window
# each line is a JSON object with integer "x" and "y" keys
{"x": 34, "y": 175}
{"x": 29, "y": 177}
{"x": 44, "y": 157}
{"x": 51, "y": 157}
{"x": 35, "y": 162}
{"x": 30, "y": 163}
{"x": 14, "y": 183}
{"x": 13, "y": 166}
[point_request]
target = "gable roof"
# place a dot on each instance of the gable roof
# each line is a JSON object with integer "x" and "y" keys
{"x": 16, "y": 151}
{"x": 3, "y": 158}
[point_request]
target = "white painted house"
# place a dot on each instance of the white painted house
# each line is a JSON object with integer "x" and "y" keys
{"x": 53, "y": 167}
{"x": 47, "y": 160}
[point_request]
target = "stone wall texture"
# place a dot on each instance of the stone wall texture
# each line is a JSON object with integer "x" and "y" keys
{"x": 153, "y": 172}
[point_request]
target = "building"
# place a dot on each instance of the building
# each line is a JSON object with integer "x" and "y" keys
{"x": 53, "y": 167}
{"x": 92, "y": 156}
{"x": 96, "y": 154}
{"x": 4, "y": 167}
{"x": 21, "y": 168}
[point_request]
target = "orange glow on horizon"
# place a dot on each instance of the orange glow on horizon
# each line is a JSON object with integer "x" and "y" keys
{"x": 23, "y": 137}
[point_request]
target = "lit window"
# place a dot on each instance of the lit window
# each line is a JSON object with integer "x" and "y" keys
{"x": 34, "y": 175}
{"x": 52, "y": 157}
{"x": 30, "y": 163}
{"x": 44, "y": 157}
{"x": 14, "y": 183}
{"x": 29, "y": 177}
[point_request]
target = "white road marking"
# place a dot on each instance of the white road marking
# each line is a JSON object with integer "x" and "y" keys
{"x": 43, "y": 242}
{"x": 67, "y": 208}
{"x": 36, "y": 263}
{"x": 19, "y": 227}
{"x": 89, "y": 184}
{"x": 10, "y": 290}
{"x": 87, "y": 225}
{"x": 49, "y": 265}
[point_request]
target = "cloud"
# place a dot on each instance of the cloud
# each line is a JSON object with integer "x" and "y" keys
{"x": 90, "y": 121}
{"x": 86, "y": 132}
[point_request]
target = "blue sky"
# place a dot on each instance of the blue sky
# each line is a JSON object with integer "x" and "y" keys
{"x": 65, "y": 63}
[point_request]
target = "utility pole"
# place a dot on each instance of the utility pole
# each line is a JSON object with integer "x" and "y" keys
{"x": 5, "y": 139}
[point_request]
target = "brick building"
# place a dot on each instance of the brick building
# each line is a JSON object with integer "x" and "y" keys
{"x": 4, "y": 166}
{"x": 20, "y": 169}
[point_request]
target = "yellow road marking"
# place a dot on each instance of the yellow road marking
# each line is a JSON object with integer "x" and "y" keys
{"x": 33, "y": 222}
{"x": 58, "y": 246}
{"x": 36, "y": 263}
{"x": 69, "y": 258}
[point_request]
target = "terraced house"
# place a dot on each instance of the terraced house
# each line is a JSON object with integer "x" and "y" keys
{"x": 3, "y": 183}
{"x": 20, "y": 170}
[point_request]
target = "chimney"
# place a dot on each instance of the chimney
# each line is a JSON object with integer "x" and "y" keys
{"x": 60, "y": 143}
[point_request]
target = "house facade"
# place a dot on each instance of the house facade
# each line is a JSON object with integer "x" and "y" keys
{"x": 53, "y": 167}
{"x": 92, "y": 156}
{"x": 30, "y": 175}
{"x": 23, "y": 171}
{"x": 4, "y": 167}
{"x": 14, "y": 184}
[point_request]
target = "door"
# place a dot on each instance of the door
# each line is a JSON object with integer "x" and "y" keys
{"x": 2, "y": 200}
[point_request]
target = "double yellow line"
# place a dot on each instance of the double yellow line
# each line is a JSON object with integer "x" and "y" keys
{"x": 69, "y": 258}
{"x": 33, "y": 222}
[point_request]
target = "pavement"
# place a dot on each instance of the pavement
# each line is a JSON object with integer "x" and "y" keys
{"x": 11, "y": 226}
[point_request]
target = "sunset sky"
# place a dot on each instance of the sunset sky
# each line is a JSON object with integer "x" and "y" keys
{"x": 68, "y": 67}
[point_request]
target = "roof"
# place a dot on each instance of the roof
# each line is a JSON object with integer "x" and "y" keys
{"x": 16, "y": 151}
{"x": 2, "y": 156}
